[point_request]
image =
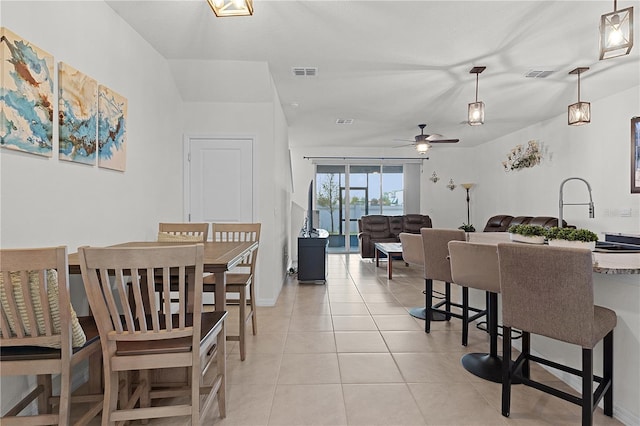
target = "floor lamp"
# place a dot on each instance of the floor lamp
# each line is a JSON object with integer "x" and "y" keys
{"x": 467, "y": 187}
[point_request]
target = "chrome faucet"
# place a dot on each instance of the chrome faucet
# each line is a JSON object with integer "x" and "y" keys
{"x": 562, "y": 203}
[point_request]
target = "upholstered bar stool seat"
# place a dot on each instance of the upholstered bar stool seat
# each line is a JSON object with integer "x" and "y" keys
{"x": 549, "y": 291}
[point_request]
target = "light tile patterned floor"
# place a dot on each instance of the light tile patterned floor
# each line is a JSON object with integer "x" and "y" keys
{"x": 348, "y": 353}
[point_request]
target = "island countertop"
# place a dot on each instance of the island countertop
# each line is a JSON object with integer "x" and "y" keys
{"x": 603, "y": 263}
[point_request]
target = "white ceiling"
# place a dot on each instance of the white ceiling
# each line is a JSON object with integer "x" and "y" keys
{"x": 389, "y": 65}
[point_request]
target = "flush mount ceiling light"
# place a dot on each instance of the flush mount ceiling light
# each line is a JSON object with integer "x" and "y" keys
{"x": 580, "y": 112}
{"x": 476, "y": 109}
{"x": 616, "y": 32}
{"x": 231, "y": 7}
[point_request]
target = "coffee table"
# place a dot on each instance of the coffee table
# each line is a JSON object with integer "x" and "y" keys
{"x": 390, "y": 250}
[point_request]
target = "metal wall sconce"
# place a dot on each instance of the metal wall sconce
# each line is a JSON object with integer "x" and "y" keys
{"x": 231, "y": 7}
{"x": 580, "y": 112}
{"x": 434, "y": 178}
{"x": 616, "y": 32}
{"x": 476, "y": 109}
{"x": 451, "y": 185}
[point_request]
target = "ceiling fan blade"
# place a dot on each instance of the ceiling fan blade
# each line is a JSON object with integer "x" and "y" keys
{"x": 444, "y": 140}
{"x": 402, "y": 146}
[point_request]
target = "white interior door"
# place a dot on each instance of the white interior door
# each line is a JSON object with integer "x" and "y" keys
{"x": 218, "y": 180}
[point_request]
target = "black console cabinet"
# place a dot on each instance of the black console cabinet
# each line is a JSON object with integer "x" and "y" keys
{"x": 312, "y": 257}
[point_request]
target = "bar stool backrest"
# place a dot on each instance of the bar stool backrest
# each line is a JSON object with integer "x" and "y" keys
{"x": 412, "y": 251}
{"x": 436, "y": 252}
{"x": 475, "y": 265}
{"x": 548, "y": 291}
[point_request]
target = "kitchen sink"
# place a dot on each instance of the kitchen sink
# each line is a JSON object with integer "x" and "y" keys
{"x": 615, "y": 247}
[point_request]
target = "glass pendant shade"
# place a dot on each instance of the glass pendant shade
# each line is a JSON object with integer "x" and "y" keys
{"x": 579, "y": 113}
{"x": 231, "y": 7}
{"x": 476, "y": 113}
{"x": 422, "y": 147}
{"x": 616, "y": 33}
{"x": 476, "y": 109}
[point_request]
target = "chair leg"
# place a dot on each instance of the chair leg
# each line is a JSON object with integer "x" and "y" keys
{"x": 465, "y": 316}
{"x": 44, "y": 402}
{"x": 607, "y": 369}
{"x": 506, "y": 372}
{"x": 447, "y": 299}
{"x": 110, "y": 404}
{"x": 242, "y": 305}
{"x": 526, "y": 349}
{"x": 252, "y": 302}
{"x": 428, "y": 298}
{"x": 65, "y": 395}
{"x": 144, "y": 380}
{"x": 587, "y": 386}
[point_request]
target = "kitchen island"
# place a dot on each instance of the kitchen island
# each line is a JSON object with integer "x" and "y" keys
{"x": 616, "y": 285}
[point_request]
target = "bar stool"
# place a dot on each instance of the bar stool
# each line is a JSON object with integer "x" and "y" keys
{"x": 413, "y": 254}
{"x": 475, "y": 265}
{"x": 549, "y": 291}
{"x": 436, "y": 265}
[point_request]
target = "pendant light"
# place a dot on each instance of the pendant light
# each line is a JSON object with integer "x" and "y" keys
{"x": 616, "y": 32}
{"x": 476, "y": 109}
{"x": 580, "y": 112}
{"x": 231, "y": 7}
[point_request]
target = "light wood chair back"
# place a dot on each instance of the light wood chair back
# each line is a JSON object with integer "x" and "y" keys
{"x": 241, "y": 279}
{"x": 172, "y": 231}
{"x": 136, "y": 333}
{"x": 37, "y": 327}
{"x": 239, "y": 232}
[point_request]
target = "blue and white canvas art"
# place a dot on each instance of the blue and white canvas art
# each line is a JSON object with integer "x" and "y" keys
{"x": 112, "y": 129}
{"x": 77, "y": 115}
{"x": 26, "y": 96}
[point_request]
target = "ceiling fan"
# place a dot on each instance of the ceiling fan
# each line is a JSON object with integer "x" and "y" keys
{"x": 423, "y": 142}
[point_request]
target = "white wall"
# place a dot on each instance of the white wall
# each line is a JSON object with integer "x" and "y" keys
{"x": 265, "y": 123}
{"x": 47, "y": 202}
{"x": 598, "y": 152}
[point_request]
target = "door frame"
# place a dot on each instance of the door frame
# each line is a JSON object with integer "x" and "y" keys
{"x": 186, "y": 184}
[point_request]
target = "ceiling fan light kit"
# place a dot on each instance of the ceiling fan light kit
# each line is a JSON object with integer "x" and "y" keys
{"x": 580, "y": 112}
{"x": 616, "y": 32}
{"x": 231, "y": 7}
{"x": 476, "y": 109}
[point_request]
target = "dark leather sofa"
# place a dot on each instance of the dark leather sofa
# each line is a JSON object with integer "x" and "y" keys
{"x": 385, "y": 229}
{"x": 501, "y": 223}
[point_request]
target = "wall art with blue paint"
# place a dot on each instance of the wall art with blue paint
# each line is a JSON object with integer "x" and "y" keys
{"x": 26, "y": 96}
{"x": 112, "y": 129}
{"x": 77, "y": 115}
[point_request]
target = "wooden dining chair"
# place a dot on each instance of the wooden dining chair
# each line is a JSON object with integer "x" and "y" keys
{"x": 136, "y": 338}
{"x": 180, "y": 233}
{"x": 240, "y": 280}
{"x": 41, "y": 334}
{"x": 183, "y": 232}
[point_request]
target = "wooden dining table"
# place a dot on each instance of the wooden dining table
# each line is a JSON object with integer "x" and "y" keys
{"x": 219, "y": 257}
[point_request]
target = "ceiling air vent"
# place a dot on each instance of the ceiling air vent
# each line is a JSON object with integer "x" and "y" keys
{"x": 305, "y": 71}
{"x": 344, "y": 121}
{"x": 536, "y": 73}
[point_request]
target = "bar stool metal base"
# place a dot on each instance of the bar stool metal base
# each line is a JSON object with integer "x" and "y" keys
{"x": 486, "y": 366}
{"x": 421, "y": 313}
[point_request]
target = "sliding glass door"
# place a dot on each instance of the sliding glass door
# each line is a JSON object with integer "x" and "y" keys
{"x": 346, "y": 192}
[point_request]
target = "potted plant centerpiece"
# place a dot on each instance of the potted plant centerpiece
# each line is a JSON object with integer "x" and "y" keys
{"x": 532, "y": 234}
{"x": 569, "y": 237}
{"x": 467, "y": 227}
